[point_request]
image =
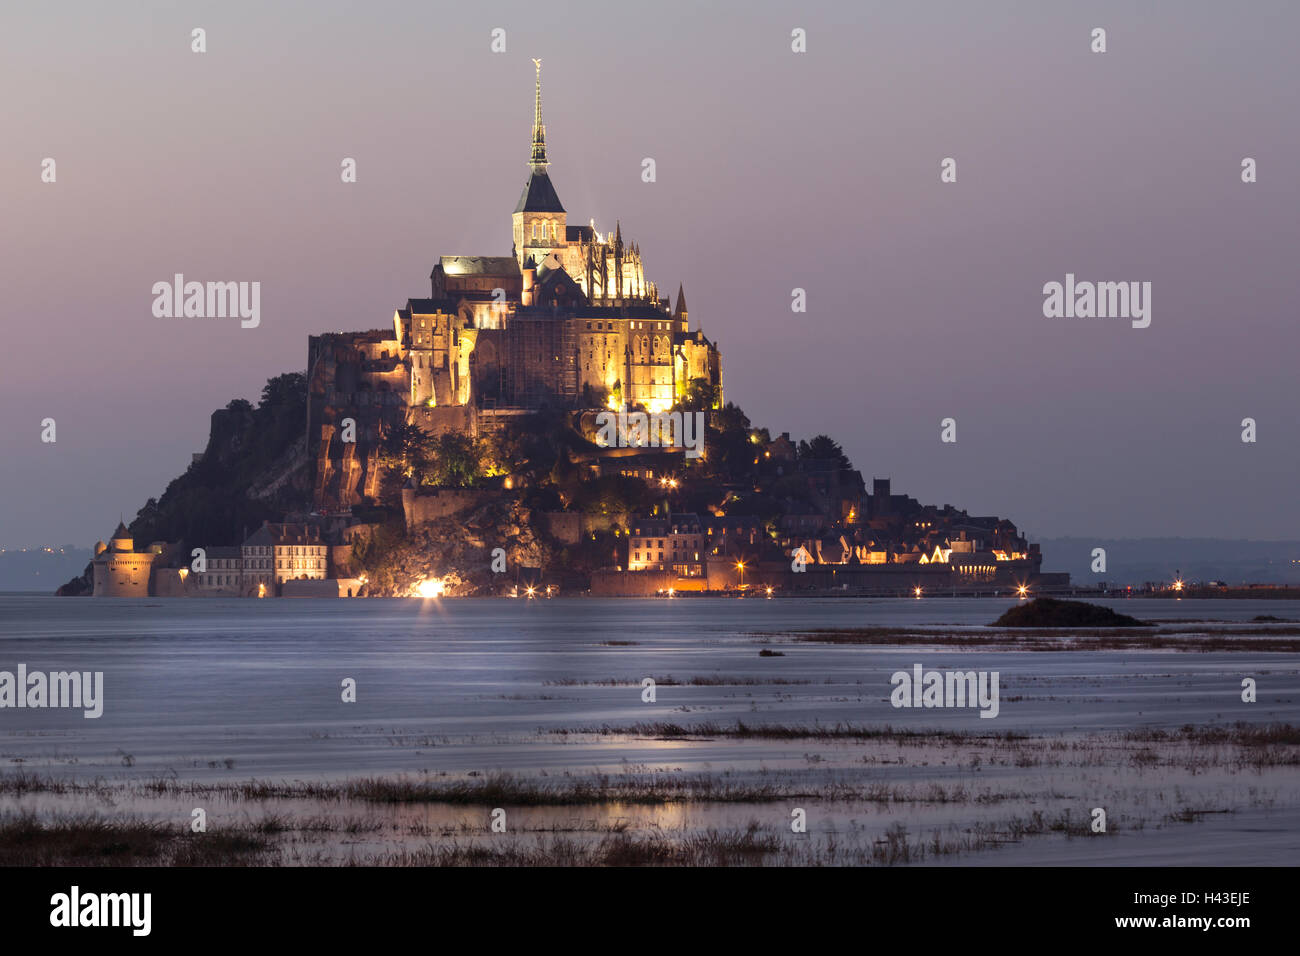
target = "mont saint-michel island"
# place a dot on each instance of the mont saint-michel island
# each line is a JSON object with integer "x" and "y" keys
{"x": 542, "y": 422}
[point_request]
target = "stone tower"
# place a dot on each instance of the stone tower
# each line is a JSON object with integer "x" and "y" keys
{"x": 539, "y": 219}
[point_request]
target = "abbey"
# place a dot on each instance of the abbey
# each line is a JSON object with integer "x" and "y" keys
{"x": 567, "y": 320}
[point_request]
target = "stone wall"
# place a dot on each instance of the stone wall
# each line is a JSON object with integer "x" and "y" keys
{"x": 422, "y": 506}
{"x": 340, "y": 559}
{"x": 570, "y": 527}
{"x": 319, "y": 588}
{"x": 168, "y": 582}
{"x": 123, "y": 575}
{"x": 630, "y": 583}
{"x": 443, "y": 419}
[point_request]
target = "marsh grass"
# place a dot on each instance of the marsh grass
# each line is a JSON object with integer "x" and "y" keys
{"x": 740, "y": 730}
{"x": 1243, "y": 640}
{"x": 85, "y": 840}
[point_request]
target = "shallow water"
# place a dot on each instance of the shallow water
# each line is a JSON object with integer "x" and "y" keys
{"x": 211, "y": 690}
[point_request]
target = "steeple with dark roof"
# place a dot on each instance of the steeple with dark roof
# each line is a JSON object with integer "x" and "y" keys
{"x": 539, "y": 195}
{"x": 538, "y": 160}
{"x": 680, "y": 311}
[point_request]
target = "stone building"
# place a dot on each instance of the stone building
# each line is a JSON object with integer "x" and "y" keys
{"x": 121, "y": 571}
{"x": 276, "y": 553}
{"x": 569, "y": 319}
{"x": 223, "y": 573}
{"x": 676, "y": 543}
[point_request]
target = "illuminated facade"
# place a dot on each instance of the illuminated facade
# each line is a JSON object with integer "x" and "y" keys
{"x": 119, "y": 570}
{"x": 677, "y": 543}
{"x": 568, "y": 320}
{"x": 276, "y": 553}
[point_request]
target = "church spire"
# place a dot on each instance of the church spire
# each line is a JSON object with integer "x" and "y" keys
{"x": 538, "y": 159}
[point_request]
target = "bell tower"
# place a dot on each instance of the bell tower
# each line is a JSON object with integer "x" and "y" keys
{"x": 539, "y": 218}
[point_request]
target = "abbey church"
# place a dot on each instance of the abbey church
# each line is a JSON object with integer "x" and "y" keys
{"x": 567, "y": 320}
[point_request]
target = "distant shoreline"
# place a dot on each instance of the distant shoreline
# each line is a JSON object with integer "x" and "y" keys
{"x": 1264, "y": 592}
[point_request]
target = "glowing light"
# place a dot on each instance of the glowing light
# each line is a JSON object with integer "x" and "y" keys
{"x": 1178, "y": 585}
{"x": 531, "y": 591}
{"x": 184, "y": 572}
{"x": 917, "y": 592}
{"x": 261, "y": 590}
{"x": 672, "y": 592}
{"x": 430, "y": 588}
{"x": 1022, "y": 590}
{"x": 769, "y": 590}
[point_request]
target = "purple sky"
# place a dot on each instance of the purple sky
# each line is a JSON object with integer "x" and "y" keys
{"x": 775, "y": 170}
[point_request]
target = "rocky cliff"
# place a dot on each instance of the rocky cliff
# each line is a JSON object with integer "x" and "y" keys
{"x": 254, "y": 468}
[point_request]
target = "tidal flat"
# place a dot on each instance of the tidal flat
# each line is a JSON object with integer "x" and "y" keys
{"x": 533, "y": 715}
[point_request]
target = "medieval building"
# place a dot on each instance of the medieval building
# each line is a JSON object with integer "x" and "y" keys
{"x": 567, "y": 320}
{"x": 119, "y": 570}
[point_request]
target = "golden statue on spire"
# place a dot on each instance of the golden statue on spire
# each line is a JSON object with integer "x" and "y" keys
{"x": 538, "y": 160}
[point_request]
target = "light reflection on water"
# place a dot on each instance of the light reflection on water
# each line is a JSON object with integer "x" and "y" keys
{"x": 212, "y": 690}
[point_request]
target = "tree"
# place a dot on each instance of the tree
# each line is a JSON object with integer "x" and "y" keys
{"x": 824, "y": 448}
{"x": 287, "y": 389}
{"x": 456, "y": 462}
{"x": 728, "y": 444}
{"x": 700, "y": 395}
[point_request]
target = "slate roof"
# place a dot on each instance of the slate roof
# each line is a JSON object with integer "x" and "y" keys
{"x": 429, "y": 307}
{"x": 546, "y": 287}
{"x": 283, "y": 534}
{"x": 479, "y": 265}
{"x": 539, "y": 195}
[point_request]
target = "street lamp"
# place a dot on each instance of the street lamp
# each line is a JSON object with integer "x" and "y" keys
{"x": 740, "y": 566}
